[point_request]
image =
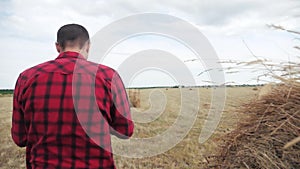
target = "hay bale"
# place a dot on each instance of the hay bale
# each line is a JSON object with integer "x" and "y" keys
{"x": 259, "y": 140}
{"x": 134, "y": 98}
{"x": 265, "y": 90}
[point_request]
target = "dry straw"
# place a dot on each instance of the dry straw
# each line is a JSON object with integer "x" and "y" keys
{"x": 263, "y": 139}
{"x": 268, "y": 136}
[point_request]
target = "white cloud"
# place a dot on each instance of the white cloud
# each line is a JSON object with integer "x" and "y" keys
{"x": 35, "y": 18}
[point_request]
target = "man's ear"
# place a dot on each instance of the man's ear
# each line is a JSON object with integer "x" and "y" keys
{"x": 88, "y": 45}
{"x": 85, "y": 49}
{"x": 58, "y": 47}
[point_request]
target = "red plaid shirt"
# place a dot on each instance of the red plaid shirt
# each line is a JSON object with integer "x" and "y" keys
{"x": 64, "y": 111}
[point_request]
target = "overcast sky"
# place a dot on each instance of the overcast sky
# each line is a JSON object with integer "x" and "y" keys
{"x": 28, "y": 31}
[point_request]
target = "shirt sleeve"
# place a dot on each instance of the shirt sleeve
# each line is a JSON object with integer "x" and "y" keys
{"x": 18, "y": 130}
{"x": 122, "y": 125}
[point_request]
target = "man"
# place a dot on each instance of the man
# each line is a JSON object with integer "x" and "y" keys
{"x": 64, "y": 110}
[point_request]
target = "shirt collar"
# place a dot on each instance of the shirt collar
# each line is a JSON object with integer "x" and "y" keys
{"x": 70, "y": 54}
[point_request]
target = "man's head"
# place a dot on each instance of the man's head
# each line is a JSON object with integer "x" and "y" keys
{"x": 73, "y": 37}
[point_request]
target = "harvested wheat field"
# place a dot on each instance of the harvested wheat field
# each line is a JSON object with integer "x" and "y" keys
{"x": 224, "y": 149}
{"x": 187, "y": 154}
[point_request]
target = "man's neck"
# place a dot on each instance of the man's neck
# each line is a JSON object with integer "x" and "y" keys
{"x": 75, "y": 50}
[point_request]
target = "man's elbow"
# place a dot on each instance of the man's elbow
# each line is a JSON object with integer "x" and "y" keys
{"x": 130, "y": 129}
{"x": 19, "y": 140}
{"x": 127, "y": 135}
{"x": 123, "y": 133}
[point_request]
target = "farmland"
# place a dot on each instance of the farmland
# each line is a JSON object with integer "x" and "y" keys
{"x": 189, "y": 153}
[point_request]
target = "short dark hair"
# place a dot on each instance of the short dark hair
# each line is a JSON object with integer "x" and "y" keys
{"x": 72, "y": 35}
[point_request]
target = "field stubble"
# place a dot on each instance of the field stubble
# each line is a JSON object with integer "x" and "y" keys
{"x": 187, "y": 154}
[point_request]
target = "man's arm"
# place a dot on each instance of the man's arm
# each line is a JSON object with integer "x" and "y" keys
{"x": 18, "y": 130}
{"x": 122, "y": 125}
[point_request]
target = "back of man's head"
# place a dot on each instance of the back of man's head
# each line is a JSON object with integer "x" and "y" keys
{"x": 72, "y": 35}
